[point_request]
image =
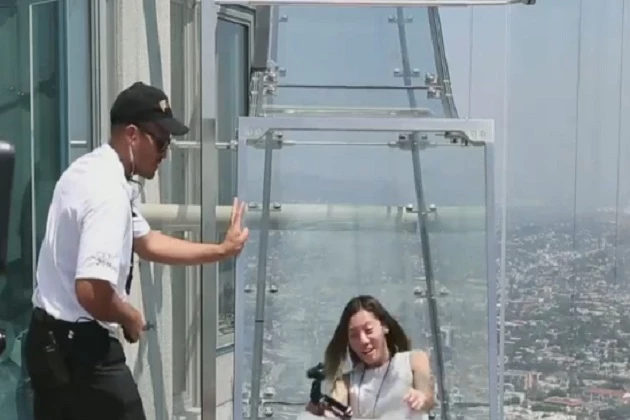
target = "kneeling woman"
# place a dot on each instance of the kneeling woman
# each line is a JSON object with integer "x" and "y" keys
{"x": 386, "y": 377}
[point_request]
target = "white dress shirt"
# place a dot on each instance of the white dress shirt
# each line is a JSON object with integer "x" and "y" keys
{"x": 89, "y": 234}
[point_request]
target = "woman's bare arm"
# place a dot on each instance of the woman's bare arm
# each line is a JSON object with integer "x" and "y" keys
{"x": 423, "y": 377}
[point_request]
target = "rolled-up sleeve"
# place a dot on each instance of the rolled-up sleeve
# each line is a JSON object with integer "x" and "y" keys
{"x": 103, "y": 228}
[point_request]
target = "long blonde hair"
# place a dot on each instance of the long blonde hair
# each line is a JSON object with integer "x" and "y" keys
{"x": 338, "y": 348}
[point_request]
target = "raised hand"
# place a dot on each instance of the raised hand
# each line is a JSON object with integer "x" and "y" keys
{"x": 236, "y": 236}
{"x": 415, "y": 399}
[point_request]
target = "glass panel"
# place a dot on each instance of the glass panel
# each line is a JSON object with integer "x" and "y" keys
{"x": 315, "y": 70}
{"x": 329, "y": 37}
{"x": 341, "y": 231}
{"x": 566, "y": 240}
{"x": 233, "y": 94}
{"x": 30, "y": 118}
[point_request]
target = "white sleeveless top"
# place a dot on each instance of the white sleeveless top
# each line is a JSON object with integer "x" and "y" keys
{"x": 378, "y": 393}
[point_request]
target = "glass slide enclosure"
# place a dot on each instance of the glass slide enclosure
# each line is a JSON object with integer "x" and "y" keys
{"x": 361, "y": 178}
{"x": 344, "y": 205}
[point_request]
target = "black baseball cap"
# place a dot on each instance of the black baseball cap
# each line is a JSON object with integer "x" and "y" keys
{"x": 143, "y": 103}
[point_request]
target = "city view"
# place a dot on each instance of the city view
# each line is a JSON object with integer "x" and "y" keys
{"x": 566, "y": 335}
{"x": 566, "y": 328}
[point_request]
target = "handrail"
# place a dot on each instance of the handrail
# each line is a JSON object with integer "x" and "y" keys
{"x": 300, "y": 110}
{"x": 323, "y": 217}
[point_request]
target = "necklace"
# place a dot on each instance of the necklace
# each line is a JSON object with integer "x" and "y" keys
{"x": 378, "y": 393}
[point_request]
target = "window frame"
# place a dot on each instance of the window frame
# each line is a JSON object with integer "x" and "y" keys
{"x": 187, "y": 390}
{"x": 245, "y": 17}
{"x": 103, "y": 60}
{"x": 79, "y": 106}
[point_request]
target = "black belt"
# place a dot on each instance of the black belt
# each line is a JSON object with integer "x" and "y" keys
{"x": 50, "y": 321}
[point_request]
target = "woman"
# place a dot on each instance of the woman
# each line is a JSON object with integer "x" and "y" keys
{"x": 386, "y": 377}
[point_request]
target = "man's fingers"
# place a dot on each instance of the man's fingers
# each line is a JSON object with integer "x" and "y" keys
{"x": 242, "y": 238}
{"x": 239, "y": 215}
{"x": 234, "y": 210}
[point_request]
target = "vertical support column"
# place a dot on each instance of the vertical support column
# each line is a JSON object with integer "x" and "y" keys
{"x": 422, "y": 225}
{"x": 430, "y": 280}
{"x": 209, "y": 196}
{"x": 495, "y": 394}
{"x": 261, "y": 281}
{"x": 441, "y": 64}
{"x": 100, "y": 42}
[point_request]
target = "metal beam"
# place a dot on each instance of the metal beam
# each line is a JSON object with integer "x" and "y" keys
{"x": 385, "y": 3}
{"x": 7, "y": 166}
{"x": 323, "y": 217}
{"x": 478, "y": 132}
{"x": 319, "y": 111}
{"x": 425, "y": 245}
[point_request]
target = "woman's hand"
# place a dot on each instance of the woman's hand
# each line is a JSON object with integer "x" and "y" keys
{"x": 315, "y": 409}
{"x": 415, "y": 399}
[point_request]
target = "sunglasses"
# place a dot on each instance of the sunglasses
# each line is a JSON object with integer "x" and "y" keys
{"x": 160, "y": 141}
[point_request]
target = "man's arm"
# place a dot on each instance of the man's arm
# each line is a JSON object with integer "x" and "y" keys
{"x": 99, "y": 299}
{"x": 103, "y": 228}
{"x": 157, "y": 247}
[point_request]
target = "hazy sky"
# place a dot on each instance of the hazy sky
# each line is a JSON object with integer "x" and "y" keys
{"x": 554, "y": 69}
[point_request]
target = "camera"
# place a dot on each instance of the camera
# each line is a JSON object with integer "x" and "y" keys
{"x": 317, "y": 374}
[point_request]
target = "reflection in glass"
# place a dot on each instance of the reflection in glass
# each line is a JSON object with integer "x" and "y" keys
{"x": 30, "y": 115}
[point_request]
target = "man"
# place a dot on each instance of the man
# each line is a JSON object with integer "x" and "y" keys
{"x": 74, "y": 358}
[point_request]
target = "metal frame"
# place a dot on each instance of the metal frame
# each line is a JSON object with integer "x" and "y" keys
{"x": 479, "y": 132}
{"x": 245, "y": 17}
{"x": 492, "y": 276}
{"x": 209, "y": 195}
{"x": 79, "y": 90}
{"x": 103, "y": 61}
{"x": 74, "y": 111}
{"x": 385, "y": 3}
{"x": 210, "y": 13}
{"x": 32, "y": 89}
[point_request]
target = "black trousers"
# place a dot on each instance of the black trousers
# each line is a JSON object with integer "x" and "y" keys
{"x": 78, "y": 372}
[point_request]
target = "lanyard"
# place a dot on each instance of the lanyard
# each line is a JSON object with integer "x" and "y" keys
{"x": 378, "y": 394}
